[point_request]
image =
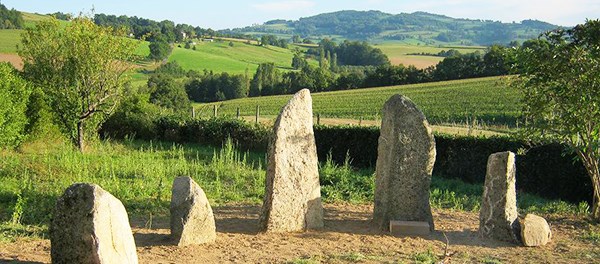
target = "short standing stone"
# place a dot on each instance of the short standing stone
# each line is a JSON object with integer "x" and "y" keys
{"x": 192, "y": 219}
{"x": 535, "y": 231}
{"x": 292, "y": 199}
{"x": 91, "y": 226}
{"x": 405, "y": 158}
{"x": 498, "y": 215}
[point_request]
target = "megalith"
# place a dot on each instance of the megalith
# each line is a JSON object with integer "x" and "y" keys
{"x": 498, "y": 217}
{"x": 405, "y": 158}
{"x": 91, "y": 226}
{"x": 292, "y": 200}
{"x": 192, "y": 219}
{"x": 535, "y": 231}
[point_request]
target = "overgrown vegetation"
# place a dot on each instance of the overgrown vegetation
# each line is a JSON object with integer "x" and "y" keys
{"x": 10, "y": 19}
{"x": 14, "y": 96}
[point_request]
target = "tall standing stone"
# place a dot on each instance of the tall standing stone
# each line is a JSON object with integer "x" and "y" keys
{"x": 405, "y": 158}
{"x": 91, "y": 226}
{"x": 192, "y": 219}
{"x": 292, "y": 199}
{"x": 498, "y": 217}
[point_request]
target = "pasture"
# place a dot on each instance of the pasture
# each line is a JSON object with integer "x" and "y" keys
{"x": 488, "y": 100}
{"x": 220, "y": 57}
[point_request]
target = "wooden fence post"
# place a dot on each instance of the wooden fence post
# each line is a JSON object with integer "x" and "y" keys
{"x": 257, "y": 113}
{"x": 215, "y": 110}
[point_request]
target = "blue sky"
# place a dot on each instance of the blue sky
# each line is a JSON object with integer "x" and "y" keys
{"x": 238, "y": 13}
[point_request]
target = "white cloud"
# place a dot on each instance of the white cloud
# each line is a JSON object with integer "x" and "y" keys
{"x": 283, "y": 6}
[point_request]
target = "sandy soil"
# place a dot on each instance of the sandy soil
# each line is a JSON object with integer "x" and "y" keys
{"x": 13, "y": 59}
{"x": 348, "y": 237}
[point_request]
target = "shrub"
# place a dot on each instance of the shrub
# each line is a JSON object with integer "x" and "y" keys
{"x": 13, "y": 104}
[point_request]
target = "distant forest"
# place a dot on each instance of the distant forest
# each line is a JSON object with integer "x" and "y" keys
{"x": 421, "y": 26}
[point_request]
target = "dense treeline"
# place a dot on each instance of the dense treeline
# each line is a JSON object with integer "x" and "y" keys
{"x": 349, "y": 53}
{"x": 10, "y": 19}
{"x": 166, "y": 29}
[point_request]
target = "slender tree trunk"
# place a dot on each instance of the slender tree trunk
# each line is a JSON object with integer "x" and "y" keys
{"x": 596, "y": 202}
{"x": 80, "y": 137}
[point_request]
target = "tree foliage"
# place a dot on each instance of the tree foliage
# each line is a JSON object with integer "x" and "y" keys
{"x": 10, "y": 19}
{"x": 560, "y": 81}
{"x": 160, "y": 49}
{"x": 14, "y": 95}
{"x": 80, "y": 67}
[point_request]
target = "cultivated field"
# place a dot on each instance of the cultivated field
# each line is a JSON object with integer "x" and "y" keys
{"x": 489, "y": 100}
{"x": 398, "y": 53}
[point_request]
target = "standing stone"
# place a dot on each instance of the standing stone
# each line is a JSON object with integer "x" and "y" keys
{"x": 405, "y": 158}
{"x": 535, "y": 231}
{"x": 91, "y": 226}
{"x": 498, "y": 215}
{"x": 192, "y": 219}
{"x": 292, "y": 199}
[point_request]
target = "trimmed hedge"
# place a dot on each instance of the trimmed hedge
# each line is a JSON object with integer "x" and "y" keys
{"x": 548, "y": 171}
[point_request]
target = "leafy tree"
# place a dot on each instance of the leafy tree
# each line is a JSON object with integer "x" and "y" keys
{"x": 166, "y": 92}
{"x": 81, "y": 68}
{"x": 13, "y": 104}
{"x": 298, "y": 61}
{"x": 160, "y": 49}
{"x": 265, "y": 81}
{"x": 561, "y": 93}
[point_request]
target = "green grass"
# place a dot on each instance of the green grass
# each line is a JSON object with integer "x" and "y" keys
{"x": 9, "y": 39}
{"x": 489, "y": 100}
{"x": 220, "y": 57}
{"x": 140, "y": 175}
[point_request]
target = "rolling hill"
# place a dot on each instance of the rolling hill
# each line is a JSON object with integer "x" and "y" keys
{"x": 413, "y": 28}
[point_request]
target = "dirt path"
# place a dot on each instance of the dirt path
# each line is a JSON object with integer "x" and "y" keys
{"x": 13, "y": 59}
{"x": 347, "y": 238}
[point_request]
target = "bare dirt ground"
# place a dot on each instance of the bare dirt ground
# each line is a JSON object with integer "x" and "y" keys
{"x": 348, "y": 237}
{"x": 13, "y": 59}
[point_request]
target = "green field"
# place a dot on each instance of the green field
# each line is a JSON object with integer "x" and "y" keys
{"x": 489, "y": 100}
{"x": 9, "y": 38}
{"x": 220, "y": 57}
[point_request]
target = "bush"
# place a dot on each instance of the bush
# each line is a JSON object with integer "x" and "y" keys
{"x": 134, "y": 118}
{"x": 14, "y": 96}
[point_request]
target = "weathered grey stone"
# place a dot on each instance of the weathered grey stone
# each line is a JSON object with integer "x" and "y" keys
{"x": 91, "y": 226}
{"x": 535, "y": 231}
{"x": 192, "y": 219}
{"x": 498, "y": 215}
{"x": 292, "y": 199}
{"x": 405, "y": 158}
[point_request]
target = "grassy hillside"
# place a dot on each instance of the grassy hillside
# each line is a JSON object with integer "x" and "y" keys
{"x": 488, "y": 99}
{"x": 220, "y": 57}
